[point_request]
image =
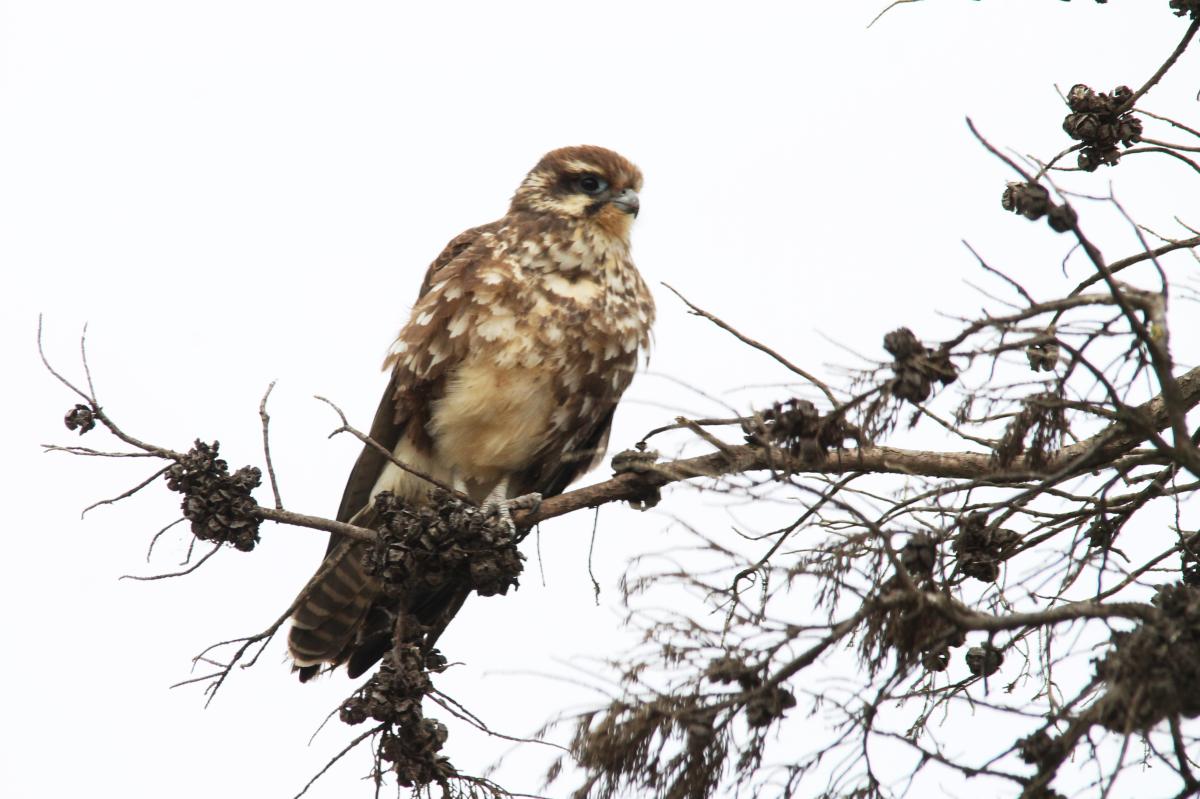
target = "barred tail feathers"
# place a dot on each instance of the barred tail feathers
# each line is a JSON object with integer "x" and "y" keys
{"x": 331, "y": 610}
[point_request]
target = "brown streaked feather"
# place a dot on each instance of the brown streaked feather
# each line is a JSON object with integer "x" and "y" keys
{"x": 336, "y": 602}
{"x": 455, "y": 248}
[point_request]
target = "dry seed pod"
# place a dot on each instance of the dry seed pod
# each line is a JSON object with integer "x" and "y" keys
{"x": 984, "y": 660}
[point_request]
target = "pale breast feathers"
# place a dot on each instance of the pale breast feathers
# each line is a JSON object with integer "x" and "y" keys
{"x": 519, "y": 348}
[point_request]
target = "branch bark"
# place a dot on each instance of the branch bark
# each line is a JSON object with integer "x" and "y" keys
{"x": 1117, "y": 438}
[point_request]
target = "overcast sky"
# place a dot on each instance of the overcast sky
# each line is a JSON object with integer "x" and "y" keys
{"x": 234, "y": 192}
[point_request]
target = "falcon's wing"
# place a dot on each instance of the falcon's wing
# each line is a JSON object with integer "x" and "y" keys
{"x": 330, "y": 621}
{"x": 552, "y": 478}
{"x": 457, "y": 246}
{"x": 385, "y": 429}
{"x": 400, "y": 402}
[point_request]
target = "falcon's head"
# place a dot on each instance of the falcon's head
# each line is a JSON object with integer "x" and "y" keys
{"x": 583, "y": 183}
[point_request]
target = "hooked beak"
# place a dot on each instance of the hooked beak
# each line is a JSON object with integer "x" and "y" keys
{"x": 627, "y": 201}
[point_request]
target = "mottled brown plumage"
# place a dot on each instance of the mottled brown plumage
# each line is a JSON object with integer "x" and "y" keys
{"x": 524, "y": 336}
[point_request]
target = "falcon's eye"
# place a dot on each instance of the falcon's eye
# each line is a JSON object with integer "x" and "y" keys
{"x": 591, "y": 184}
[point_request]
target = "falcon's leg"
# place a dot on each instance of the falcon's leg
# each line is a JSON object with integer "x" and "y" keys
{"x": 497, "y": 502}
{"x": 460, "y": 485}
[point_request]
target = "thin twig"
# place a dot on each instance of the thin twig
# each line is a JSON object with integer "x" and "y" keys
{"x": 1162, "y": 70}
{"x": 757, "y": 345}
{"x": 373, "y": 731}
{"x": 266, "y": 438}
{"x": 183, "y": 573}
{"x": 382, "y": 450}
{"x": 126, "y": 494}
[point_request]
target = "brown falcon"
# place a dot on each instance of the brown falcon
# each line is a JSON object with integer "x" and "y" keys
{"x": 503, "y": 383}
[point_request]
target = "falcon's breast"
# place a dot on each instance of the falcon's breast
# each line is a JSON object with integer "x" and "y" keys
{"x": 544, "y": 325}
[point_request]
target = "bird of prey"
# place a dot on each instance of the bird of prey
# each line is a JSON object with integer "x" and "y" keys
{"x": 503, "y": 383}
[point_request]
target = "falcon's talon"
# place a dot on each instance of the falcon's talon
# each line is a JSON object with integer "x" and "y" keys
{"x": 634, "y": 460}
{"x": 504, "y": 508}
{"x": 531, "y": 501}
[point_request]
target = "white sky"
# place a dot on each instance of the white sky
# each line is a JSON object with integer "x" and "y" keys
{"x": 235, "y": 192}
